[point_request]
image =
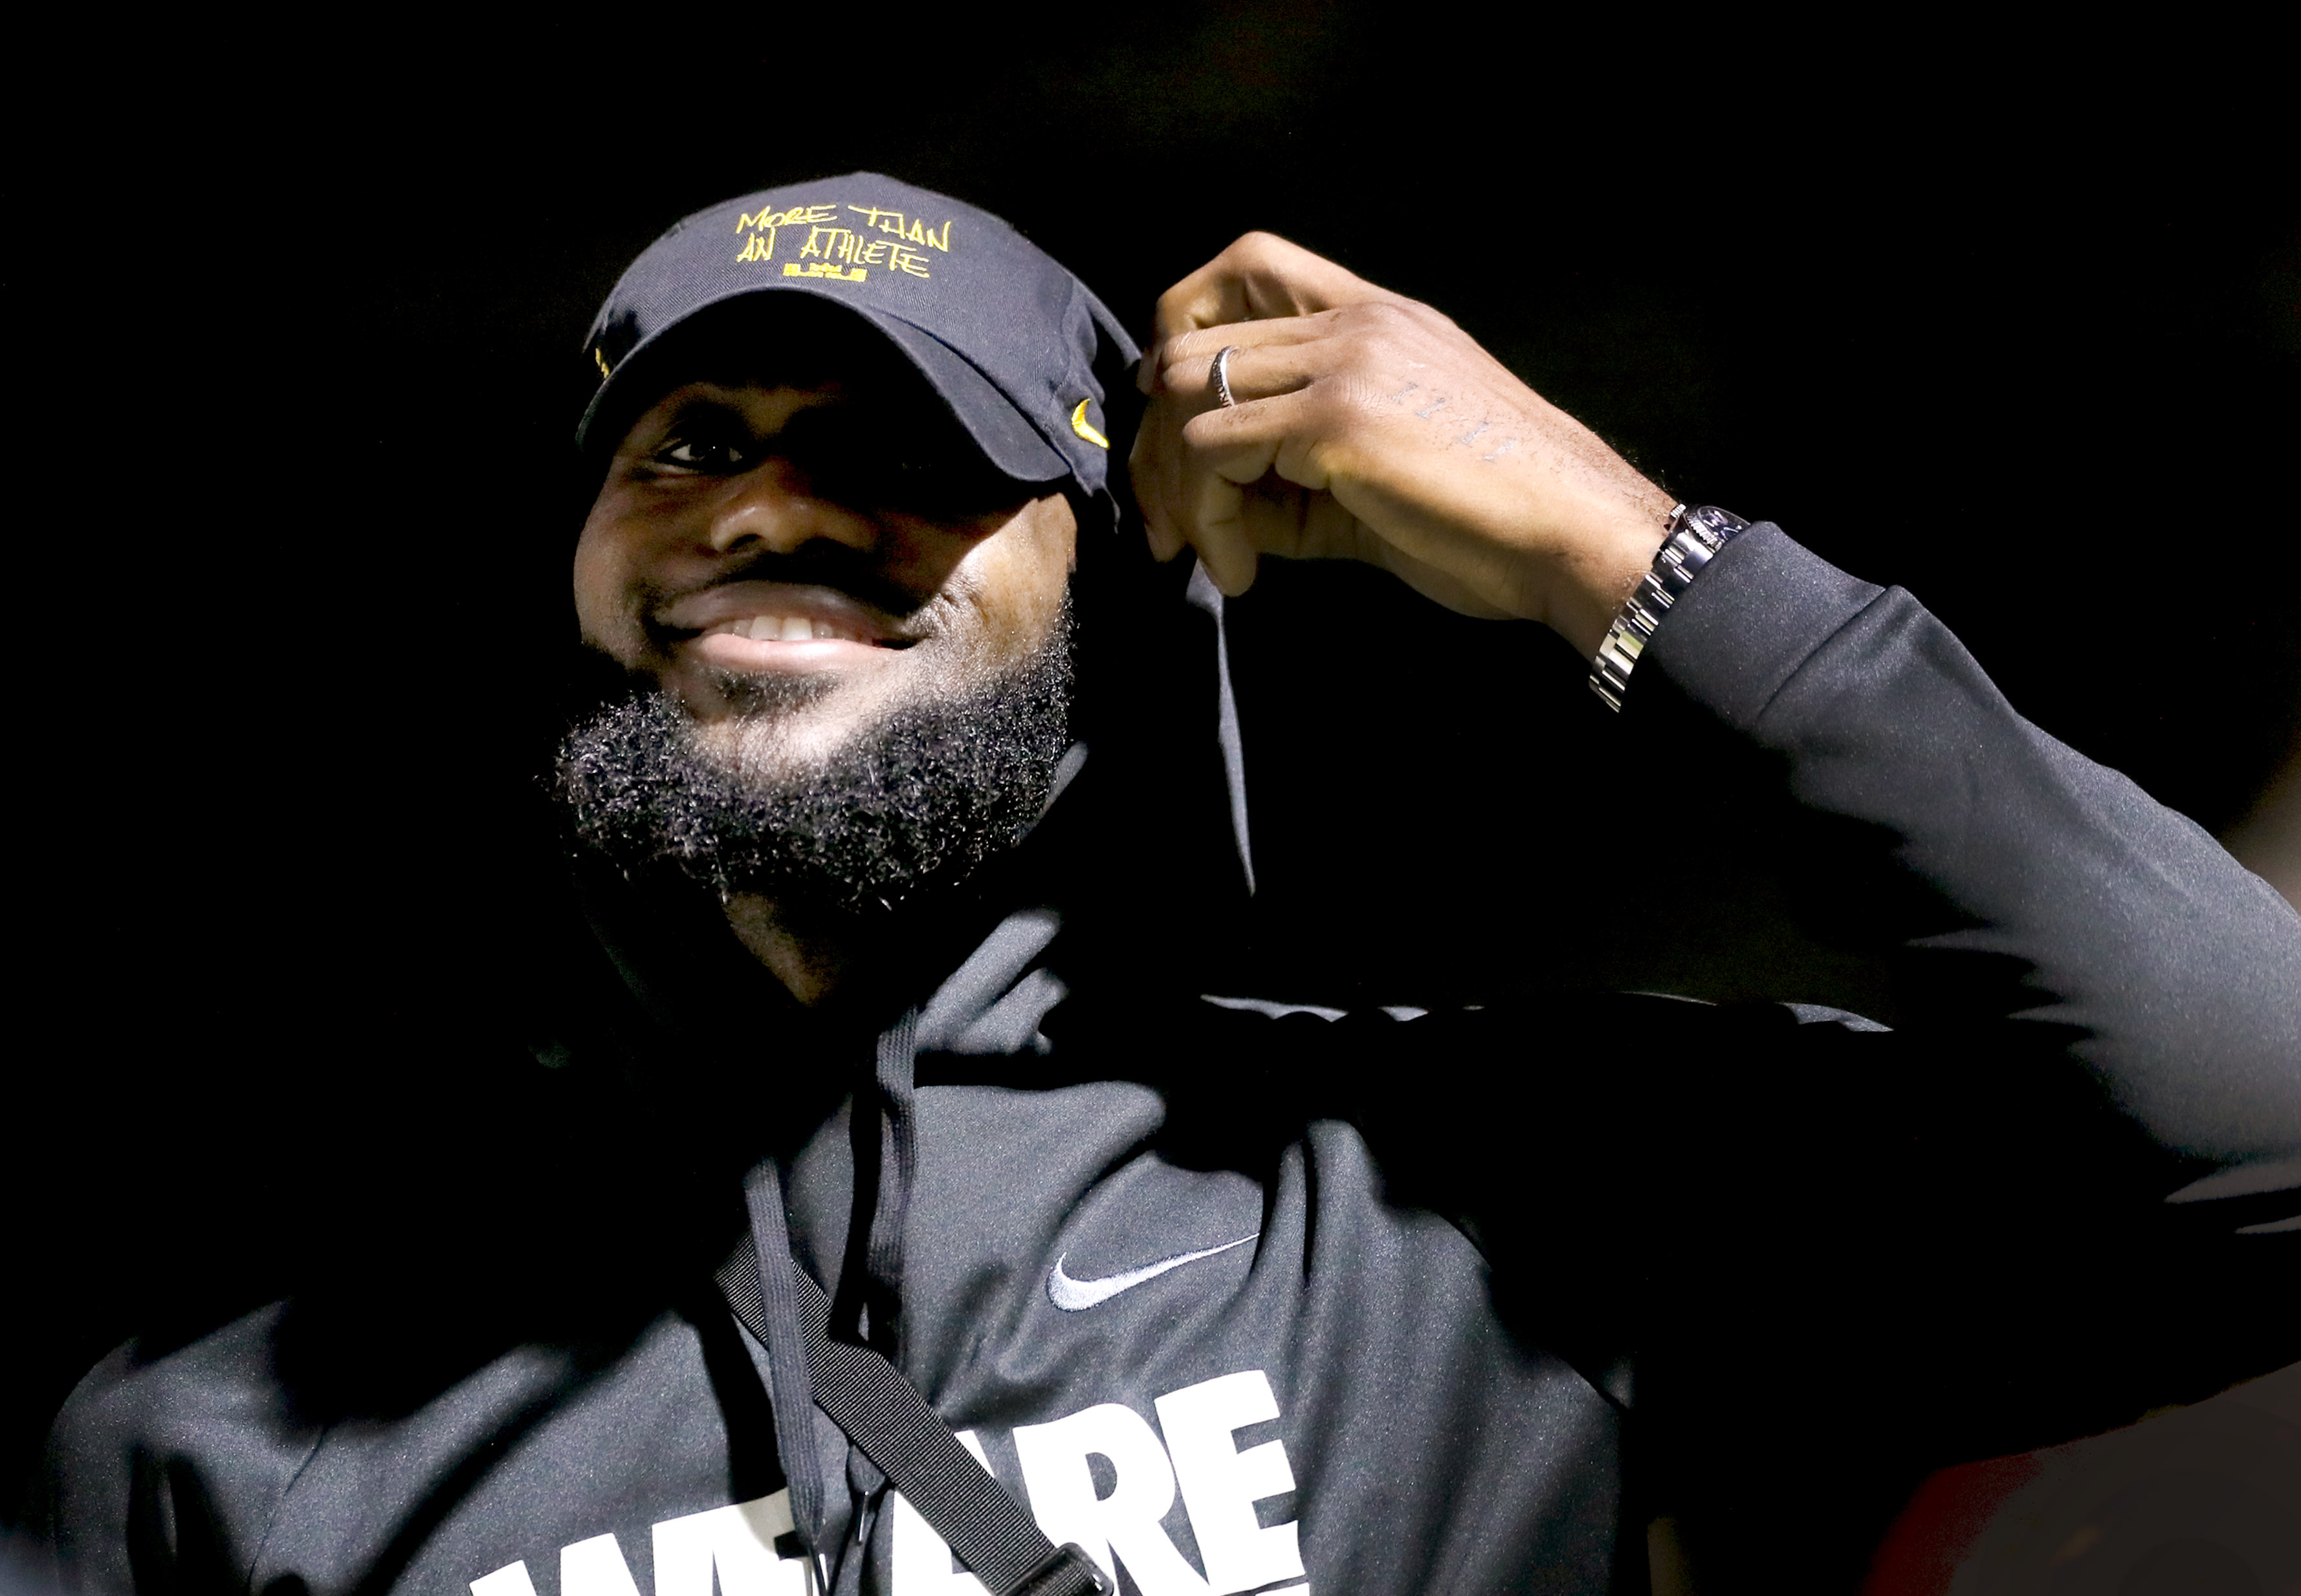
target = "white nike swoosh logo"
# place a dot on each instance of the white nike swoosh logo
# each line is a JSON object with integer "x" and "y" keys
{"x": 1077, "y": 1296}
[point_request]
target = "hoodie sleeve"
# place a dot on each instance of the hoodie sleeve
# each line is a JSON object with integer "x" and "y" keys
{"x": 2066, "y": 1188}
{"x": 2037, "y": 903}
{"x": 162, "y": 1474}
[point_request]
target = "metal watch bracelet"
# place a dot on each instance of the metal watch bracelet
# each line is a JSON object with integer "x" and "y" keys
{"x": 1695, "y": 534}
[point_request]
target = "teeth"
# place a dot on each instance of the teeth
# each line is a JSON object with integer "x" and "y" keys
{"x": 782, "y": 629}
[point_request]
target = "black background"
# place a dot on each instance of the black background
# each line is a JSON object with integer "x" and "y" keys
{"x": 2009, "y": 320}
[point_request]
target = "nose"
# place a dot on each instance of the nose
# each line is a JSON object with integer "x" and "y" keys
{"x": 766, "y": 508}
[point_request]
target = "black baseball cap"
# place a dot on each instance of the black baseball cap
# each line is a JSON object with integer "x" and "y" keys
{"x": 1018, "y": 347}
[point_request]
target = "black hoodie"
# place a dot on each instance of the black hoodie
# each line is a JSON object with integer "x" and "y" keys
{"x": 1249, "y": 1299}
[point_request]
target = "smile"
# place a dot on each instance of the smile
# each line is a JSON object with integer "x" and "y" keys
{"x": 761, "y": 626}
{"x": 786, "y": 629}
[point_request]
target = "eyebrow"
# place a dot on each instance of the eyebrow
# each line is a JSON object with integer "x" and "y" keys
{"x": 703, "y": 404}
{"x": 827, "y": 385}
{"x": 698, "y": 406}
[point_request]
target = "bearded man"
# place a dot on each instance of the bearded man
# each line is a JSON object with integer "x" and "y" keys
{"x": 920, "y": 778}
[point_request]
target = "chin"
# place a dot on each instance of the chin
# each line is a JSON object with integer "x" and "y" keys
{"x": 780, "y": 742}
{"x": 730, "y": 696}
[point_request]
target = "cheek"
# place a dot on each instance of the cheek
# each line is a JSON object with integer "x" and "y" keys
{"x": 602, "y": 575}
{"x": 1022, "y": 574}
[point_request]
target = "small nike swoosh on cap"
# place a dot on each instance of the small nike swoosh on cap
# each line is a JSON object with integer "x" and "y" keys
{"x": 1085, "y": 428}
{"x": 1077, "y": 1296}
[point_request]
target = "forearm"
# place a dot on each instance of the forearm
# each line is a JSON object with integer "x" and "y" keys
{"x": 2044, "y": 904}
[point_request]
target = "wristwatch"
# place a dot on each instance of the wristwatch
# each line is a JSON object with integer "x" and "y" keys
{"x": 1695, "y": 534}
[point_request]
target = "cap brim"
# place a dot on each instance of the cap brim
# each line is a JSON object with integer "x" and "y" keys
{"x": 1006, "y": 438}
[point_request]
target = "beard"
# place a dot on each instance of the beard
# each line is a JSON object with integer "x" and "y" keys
{"x": 911, "y": 805}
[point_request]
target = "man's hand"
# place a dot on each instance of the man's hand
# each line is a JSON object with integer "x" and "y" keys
{"x": 1369, "y": 427}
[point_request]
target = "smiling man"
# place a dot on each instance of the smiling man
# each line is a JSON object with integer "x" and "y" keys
{"x": 856, "y": 630}
{"x": 887, "y": 854}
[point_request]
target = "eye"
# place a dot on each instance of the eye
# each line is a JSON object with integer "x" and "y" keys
{"x": 710, "y": 452}
{"x": 705, "y": 439}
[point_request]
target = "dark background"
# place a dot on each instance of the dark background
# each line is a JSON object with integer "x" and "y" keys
{"x": 2008, "y": 319}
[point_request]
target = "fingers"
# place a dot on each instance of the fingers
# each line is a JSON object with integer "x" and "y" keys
{"x": 1267, "y": 358}
{"x": 1237, "y": 511}
{"x": 1218, "y": 531}
{"x": 1183, "y": 365}
{"x": 1368, "y": 426}
{"x": 1242, "y": 507}
{"x": 1244, "y": 482}
{"x": 1265, "y": 488}
{"x": 1259, "y": 278}
{"x": 1188, "y": 472}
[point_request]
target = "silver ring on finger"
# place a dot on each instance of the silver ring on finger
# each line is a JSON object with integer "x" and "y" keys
{"x": 1222, "y": 376}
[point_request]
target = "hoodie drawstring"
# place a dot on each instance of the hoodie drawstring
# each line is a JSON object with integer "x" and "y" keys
{"x": 884, "y": 1138}
{"x": 868, "y": 1306}
{"x": 791, "y": 1385}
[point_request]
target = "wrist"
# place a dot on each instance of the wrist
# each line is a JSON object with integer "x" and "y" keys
{"x": 1696, "y": 535}
{"x": 1603, "y": 569}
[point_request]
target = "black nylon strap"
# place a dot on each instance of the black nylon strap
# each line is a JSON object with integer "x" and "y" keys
{"x": 886, "y": 1417}
{"x": 779, "y": 1323}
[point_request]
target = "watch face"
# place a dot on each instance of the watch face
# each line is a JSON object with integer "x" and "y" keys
{"x": 1716, "y": 525}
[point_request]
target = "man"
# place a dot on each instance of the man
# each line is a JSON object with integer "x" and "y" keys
{"x": 890, "y": 857}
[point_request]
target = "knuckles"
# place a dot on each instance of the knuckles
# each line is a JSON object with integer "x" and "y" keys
{"x": 1331, "y": 408}
{"x": 1375, "y": 317}
{"x": 1392, "y": 320}
{"x": 1358, "y": 329}
{"x": 1258, "y": 251}
{"x": 1173, "y": 352}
